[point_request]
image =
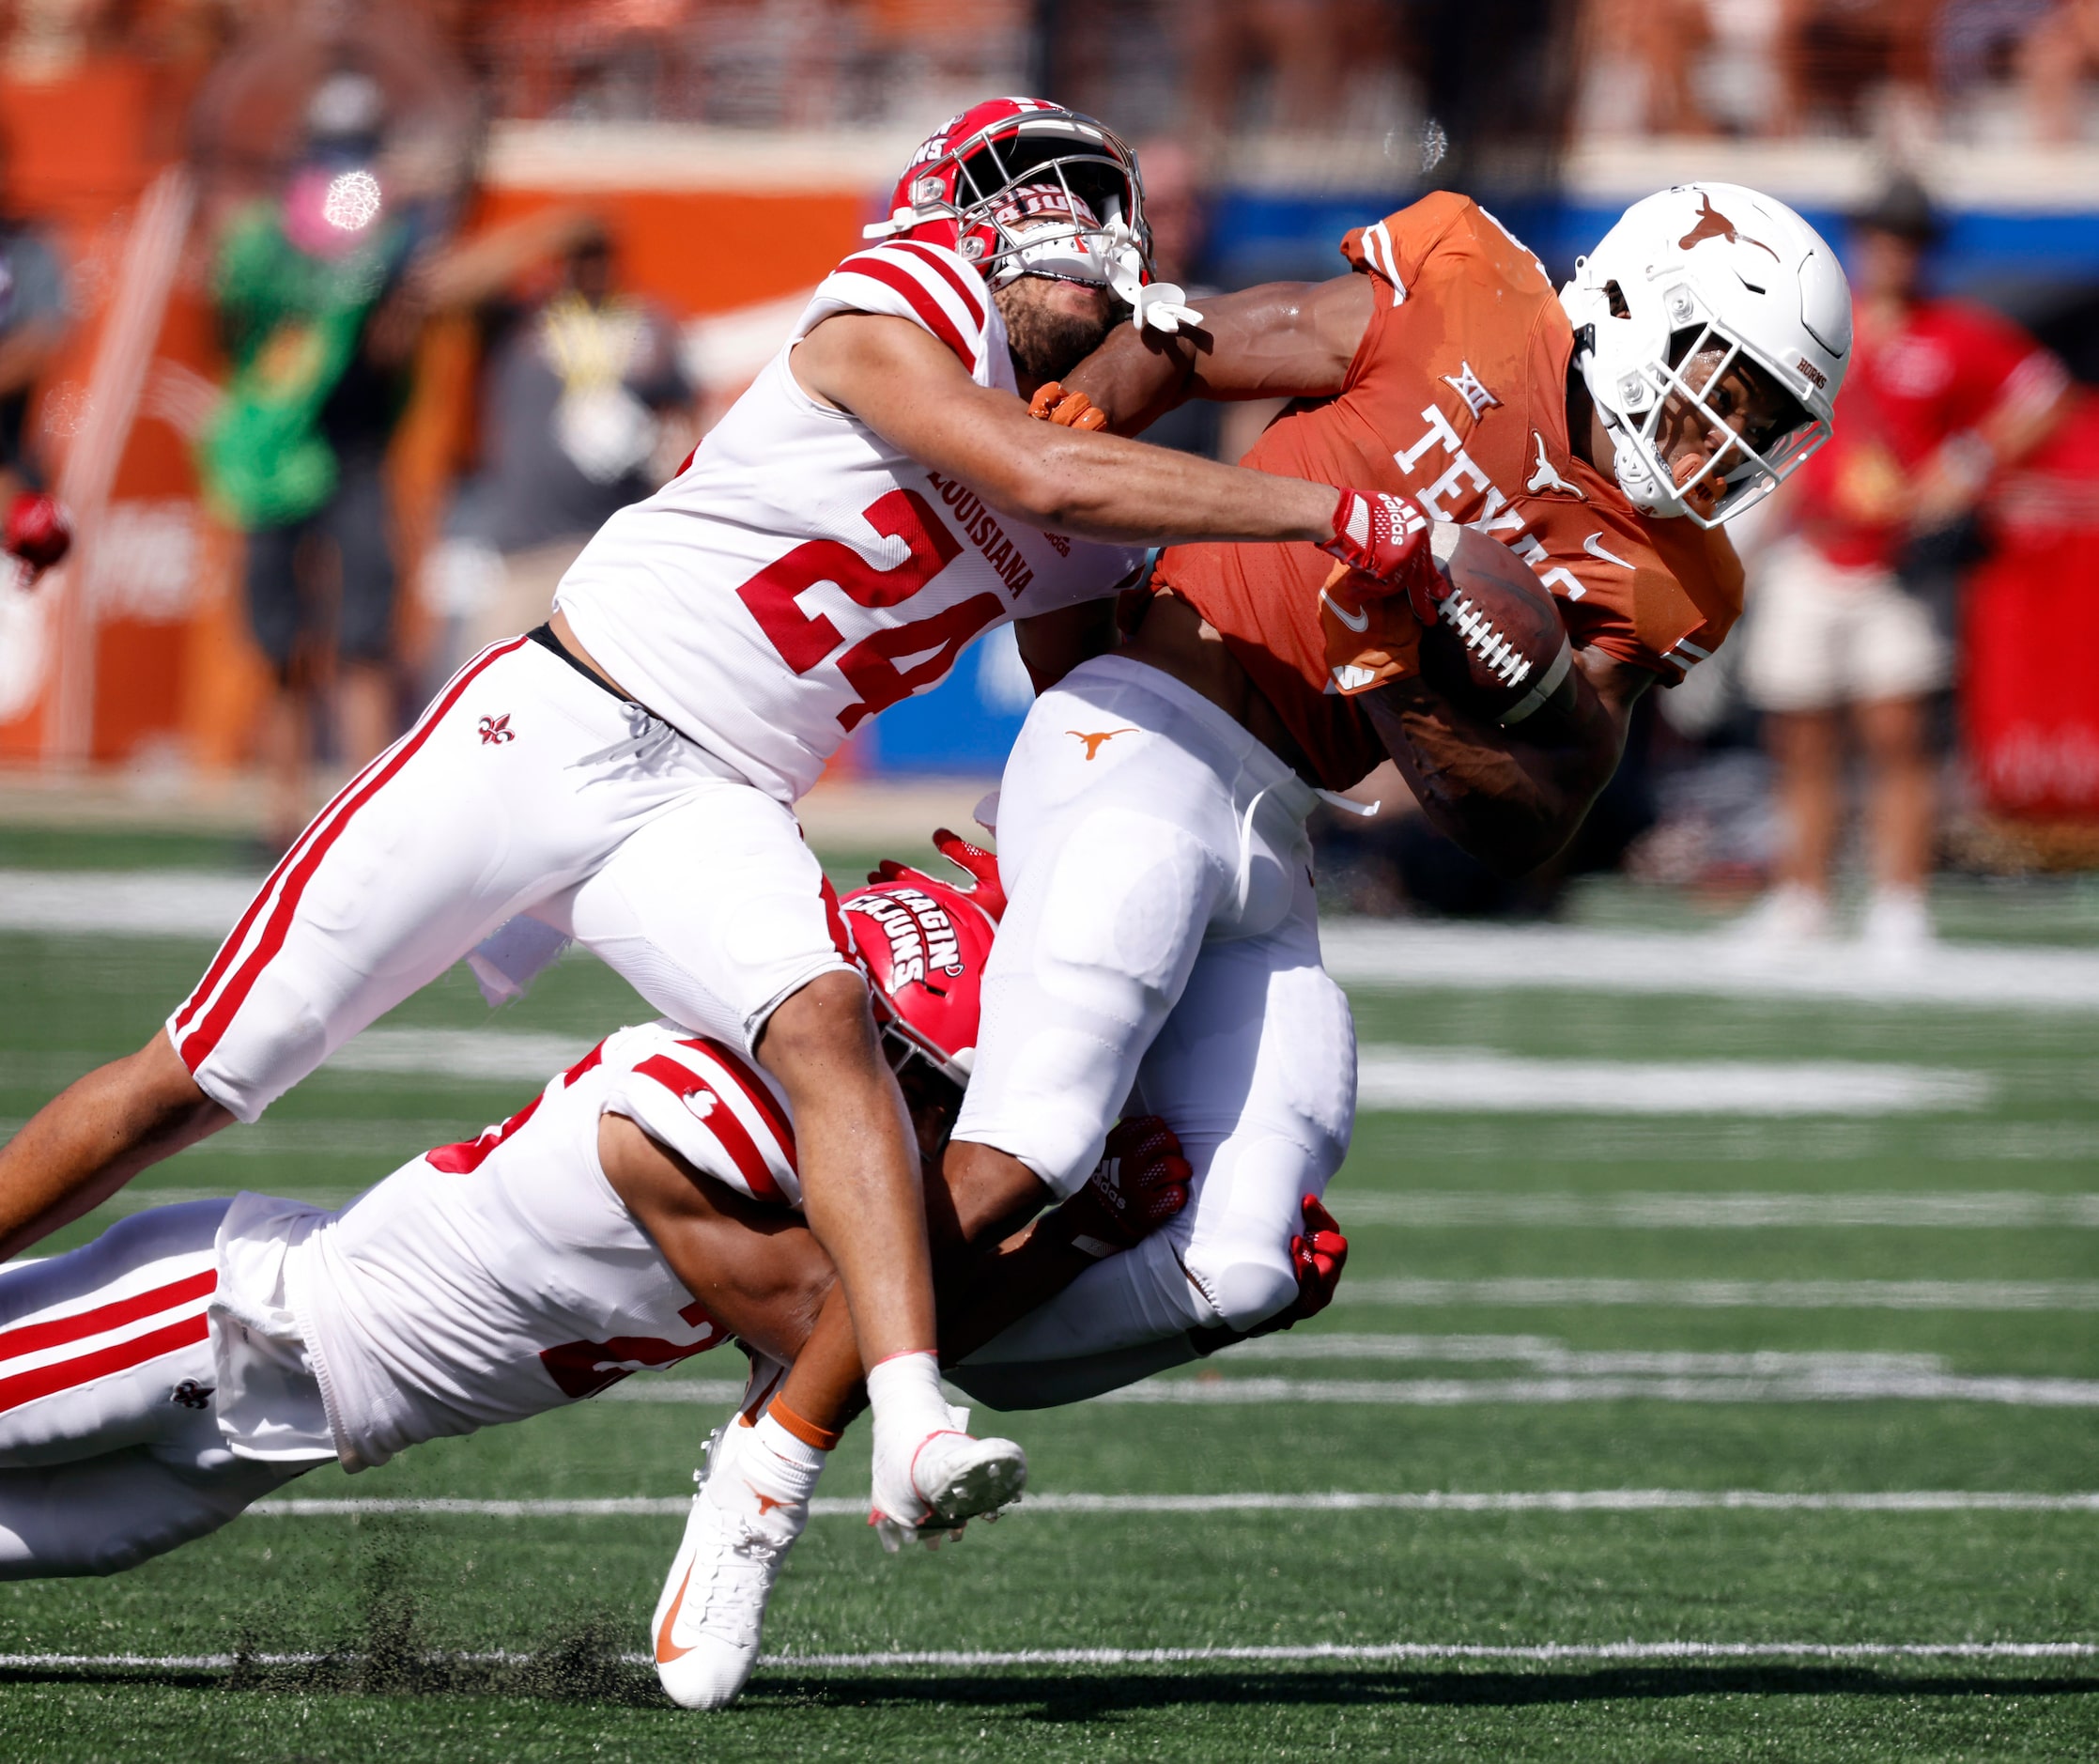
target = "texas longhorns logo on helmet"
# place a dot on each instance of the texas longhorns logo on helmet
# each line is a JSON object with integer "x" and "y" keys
{"x": 1712, "y": 224}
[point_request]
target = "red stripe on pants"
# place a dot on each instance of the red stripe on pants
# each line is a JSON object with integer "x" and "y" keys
{"x": 48, "y": 1380}
{"x": 197, "y": 1046}
{"x": 35, "y": 1338}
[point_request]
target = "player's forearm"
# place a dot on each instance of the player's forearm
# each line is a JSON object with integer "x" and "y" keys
{"x": 1137, "y": 376}
{"x": 1510, "y": 797}
{"x": 1096, "y": 487}
{"x": 1280, "y": 340}
{"x": 1021, "y": 1274}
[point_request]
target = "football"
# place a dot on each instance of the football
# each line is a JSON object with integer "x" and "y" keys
{"x": 1498, "y": 647}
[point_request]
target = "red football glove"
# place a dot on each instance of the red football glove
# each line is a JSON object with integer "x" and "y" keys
{"x": 38, "y": 530}
{"x": 1140, "y": 1183}
{"x": 1067, "y": 410}
{"x": 1386, "y": 539}
{"x": 1319, "y": 1254}
{"x": 984, "y": 886}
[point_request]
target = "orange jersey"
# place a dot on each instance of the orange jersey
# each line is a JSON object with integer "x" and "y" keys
{"x": 1457, "y": 398}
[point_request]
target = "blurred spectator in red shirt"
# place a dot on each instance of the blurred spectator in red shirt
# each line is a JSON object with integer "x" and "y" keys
{"x": 1939, "y": 397}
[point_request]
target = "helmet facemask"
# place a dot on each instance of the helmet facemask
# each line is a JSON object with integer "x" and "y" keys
{"x": 1038, "y": 191}
{"x": 1075, "y": 215}
{"x": 1710, "y": 382}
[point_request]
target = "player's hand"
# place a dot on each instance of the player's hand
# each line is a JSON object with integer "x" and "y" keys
{"x": 1067, "y": 410}
{"x": 985, "y": 886}
{"x": 1319, "y": 1254}
{"x": 1140, "y": 1183}
{"x": 1385, "y": 537}
{"x": 38, "y": 530}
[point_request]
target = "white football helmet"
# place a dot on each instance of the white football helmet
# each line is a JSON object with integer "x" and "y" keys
{"x": 1695, "y": 266}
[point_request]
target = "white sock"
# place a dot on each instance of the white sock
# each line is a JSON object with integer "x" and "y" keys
{"x": 789, "y": 1465}
{"x": 904, "y": 1393}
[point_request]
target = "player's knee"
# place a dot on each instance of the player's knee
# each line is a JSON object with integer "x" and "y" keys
{"x": 825, "y": 1027}
{"x": 1251, "y": 1291}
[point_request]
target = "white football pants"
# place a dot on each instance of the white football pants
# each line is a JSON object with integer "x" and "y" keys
{"x": 109, "y": 1446}
{"x": 525, "y": 787}
{"x": 1159, "y": 955}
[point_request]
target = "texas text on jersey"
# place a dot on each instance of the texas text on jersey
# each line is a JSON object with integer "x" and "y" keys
{"x": 1456, "y": 397}
{"x": 801, "y": 574}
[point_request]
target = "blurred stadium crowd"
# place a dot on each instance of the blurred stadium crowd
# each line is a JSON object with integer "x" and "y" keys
{"x": 305, "y": 304}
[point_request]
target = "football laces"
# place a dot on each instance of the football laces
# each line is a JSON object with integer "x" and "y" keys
{"x": 1508, "y": 663}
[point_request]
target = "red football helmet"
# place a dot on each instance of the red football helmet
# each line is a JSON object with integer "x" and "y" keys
{"x": 924, "y": 943}
{"x": 1020, "y": 187}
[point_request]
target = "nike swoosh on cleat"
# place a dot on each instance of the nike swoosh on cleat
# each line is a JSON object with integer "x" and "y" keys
{"x": 1592, "y": 544}
{"x": 1361, "y": 622}
{"x": 665, "y": 1651}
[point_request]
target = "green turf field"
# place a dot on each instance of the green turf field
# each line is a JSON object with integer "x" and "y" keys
{"x": 1537, "y": 1302}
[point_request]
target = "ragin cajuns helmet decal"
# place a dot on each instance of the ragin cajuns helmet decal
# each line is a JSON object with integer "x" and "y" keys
{"x": 1020, "y": 187}
{"x": 924, "y": 943}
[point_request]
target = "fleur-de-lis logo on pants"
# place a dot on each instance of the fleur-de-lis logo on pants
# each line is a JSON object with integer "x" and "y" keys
{"x": 495, "y": 731}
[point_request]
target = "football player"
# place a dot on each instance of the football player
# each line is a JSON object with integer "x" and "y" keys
{"x": 1161, "y": 948}
{"x": 195, "y": 1358}
{"x": 625, "y": 774}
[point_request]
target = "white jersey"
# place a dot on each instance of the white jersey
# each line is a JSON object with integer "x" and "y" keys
{"x": 800, "y": 574}
{"x": 493, "y": 1280}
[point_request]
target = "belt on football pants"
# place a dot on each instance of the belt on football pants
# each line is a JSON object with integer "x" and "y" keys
{"x": 544, "y": 636}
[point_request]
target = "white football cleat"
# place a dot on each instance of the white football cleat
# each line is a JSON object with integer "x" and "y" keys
{"x": 945, "y": 1481}
{"x": 1783, "y": 921}
{"x": 712, "y": 1610}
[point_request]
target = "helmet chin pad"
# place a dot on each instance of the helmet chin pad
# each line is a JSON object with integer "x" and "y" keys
{"x": 1052, "y": 232}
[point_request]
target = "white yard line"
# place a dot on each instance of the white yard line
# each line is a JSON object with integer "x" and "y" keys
{"x": 1389, "y": 1653}
{"x": 2026, "y": 1393}
{"x": 1542, "y": 1354}
{"x": 1577, "y": 1291}
{"x": 124, "y": 902}
{"x": 1433, "y": 1501}
{"x": 1981, "y": 1210}
{"x": 1459, "y": 1080}
{"x": 1483, "y": 958}
{"x": 464, "y": 1053}
{"x": 1412, "y": 955}
{"x": 1779, "y": 1140}
{"x": 1559, "y": 1375}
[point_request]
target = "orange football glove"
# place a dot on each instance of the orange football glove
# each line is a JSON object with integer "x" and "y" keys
{"x": 1371, "y": 634}
{"x": 1067, "y": 410}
